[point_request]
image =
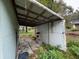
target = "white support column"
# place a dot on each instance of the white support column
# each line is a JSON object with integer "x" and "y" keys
{"x": 7, "y": 30}
{"x": 57, "y": 34}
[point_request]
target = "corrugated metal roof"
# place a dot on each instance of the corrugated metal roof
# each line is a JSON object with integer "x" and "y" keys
{"x": 33, "y": 13}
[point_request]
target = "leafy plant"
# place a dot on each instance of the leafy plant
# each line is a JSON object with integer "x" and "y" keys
{"x": 74, "y": 49}
{"x": 49, "y": 52}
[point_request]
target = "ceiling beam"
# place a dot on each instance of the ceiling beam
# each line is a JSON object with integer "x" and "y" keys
{"x": 50, "y": 21}
{"x": 26, "y": 20}
{"x": 25, "y": 23}
{"x": 29, "y": 21}
{"x": 41, "y": 14}
{"x": 36, "y": 20}
{"x": 30, "y": 7}
{"x": 22, "y": 8}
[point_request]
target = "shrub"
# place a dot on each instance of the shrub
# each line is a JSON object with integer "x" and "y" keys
{"x": 49, "y": 52}
{"x": 74, "y": 48}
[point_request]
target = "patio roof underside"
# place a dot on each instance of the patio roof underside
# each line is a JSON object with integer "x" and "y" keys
{"x": 32, "y": 13}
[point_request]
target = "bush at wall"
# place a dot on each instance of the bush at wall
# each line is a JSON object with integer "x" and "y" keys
{"x": 49, "y": 52}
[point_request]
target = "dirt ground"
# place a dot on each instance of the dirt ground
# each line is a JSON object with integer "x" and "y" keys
{"x": 72, "y": 36}
{"x": 25, "y": 47}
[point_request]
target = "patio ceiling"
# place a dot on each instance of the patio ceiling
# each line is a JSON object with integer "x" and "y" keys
{"x": 33, "y": 13}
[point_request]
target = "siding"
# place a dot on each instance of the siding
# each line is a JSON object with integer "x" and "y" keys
{"x": 53, "y": 33}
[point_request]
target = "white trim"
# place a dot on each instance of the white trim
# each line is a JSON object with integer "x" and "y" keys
{"x": 44, "y": 7}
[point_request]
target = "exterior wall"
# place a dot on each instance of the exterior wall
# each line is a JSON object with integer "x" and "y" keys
{"x": 77, "y": 26}
{"x": 7, "y": 30}
{"x": 43, "y": 29}
{"x": 57, "y": 35}
{"x": 75, "y": 21}
{"x": 53, "y": 34}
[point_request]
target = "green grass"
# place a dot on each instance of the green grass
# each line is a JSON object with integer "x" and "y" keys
{"x": 29, "y": 33}
{"x": 74, "y": 49}
{"x": 72, "y": 38}
{"x": 51, "y": 52}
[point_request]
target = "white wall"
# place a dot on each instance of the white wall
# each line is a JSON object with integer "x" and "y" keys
{"x": 7, "y": 30}
{"x": 77, "y": 26}
{"x": 57, "y": 34}
{"x": 43, "y": 29}
{"x": 54, "y": 34}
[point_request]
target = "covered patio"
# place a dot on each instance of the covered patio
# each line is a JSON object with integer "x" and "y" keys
{"x": 29, "y": 13}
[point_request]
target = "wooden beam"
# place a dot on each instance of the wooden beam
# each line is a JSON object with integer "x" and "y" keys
{"x": 35, "y": 13}
{"x": 41, "y": 14}
{"x": 29, "y": 21}
{"x": 36, "y": 20}
{"x": 49, "y": 21}
{"x": 51, "y": 16}
{"x": 37, "y": 23}
{"x": 30, "y": 7}
{"x": 22, "y": 8}
{"x": 26, "y": 19}
{"x": 25, "y": 23}
{"x": 32, "y": 22}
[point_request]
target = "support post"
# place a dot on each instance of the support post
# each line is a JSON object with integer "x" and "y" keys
{"x": 26, "y": 28}
{"x": 7, "y": 30}
{"x": 57, "y": 35}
